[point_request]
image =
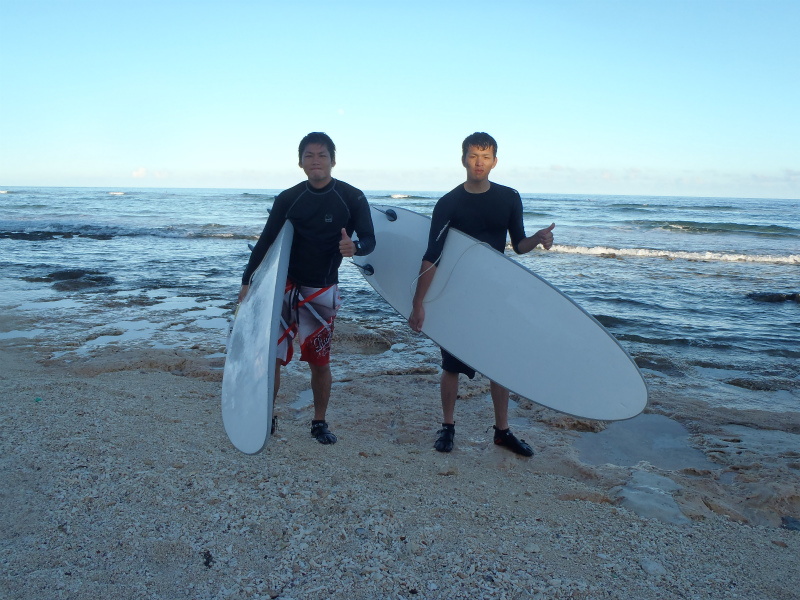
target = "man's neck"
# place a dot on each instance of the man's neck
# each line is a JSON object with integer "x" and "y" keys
{"x": 318, "y": 185}
{"x": 477, "y": 187}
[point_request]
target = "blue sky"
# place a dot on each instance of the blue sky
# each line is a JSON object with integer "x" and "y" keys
{"x": 676, "y": 97}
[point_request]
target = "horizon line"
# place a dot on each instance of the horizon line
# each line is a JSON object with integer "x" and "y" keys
{"x": 385, "y": 190}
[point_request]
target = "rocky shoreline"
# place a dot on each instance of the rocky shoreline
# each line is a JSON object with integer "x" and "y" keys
{"x": 119, "y": 481}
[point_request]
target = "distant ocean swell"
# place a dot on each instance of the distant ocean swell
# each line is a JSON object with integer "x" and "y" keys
{"x": 530, "y": 213}
{"x": 210, "y": 230}
{"x": 698, "y": 227}
{"x": 647, "y": 207}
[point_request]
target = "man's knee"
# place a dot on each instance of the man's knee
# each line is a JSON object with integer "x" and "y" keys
{"x": 319, "y": 370}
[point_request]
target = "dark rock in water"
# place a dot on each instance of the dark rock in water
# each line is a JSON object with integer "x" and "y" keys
{"x": 761, "y": 385}
{"x": 790, "y": 523}
{"x": 31, "y": 236}
{"x": 774, "y": 297}
{"x": 658, "y": 363}
{"x": 37, "y": 236}
{"x": 67, "y": 274}
{"x": 70, "y": 280}
{"x": 83, "y": 283}
{"x": 750, "y": 384}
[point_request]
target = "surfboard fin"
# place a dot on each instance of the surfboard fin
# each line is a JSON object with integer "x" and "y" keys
{"x": 367, "y": 269}
{"x": 390, "y": 213}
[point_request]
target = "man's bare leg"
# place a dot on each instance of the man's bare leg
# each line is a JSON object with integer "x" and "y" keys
{"x": 449, "y": 393}
{"x": 321, "y": 381}
{"x": 500, "y": 402}
{"x": 502, "y": 434}
{"x": 276, "y": 387}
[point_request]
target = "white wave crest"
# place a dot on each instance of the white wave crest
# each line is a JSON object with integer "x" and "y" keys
{"x": 399, "y": 196}
{"x": 792, "y": 259}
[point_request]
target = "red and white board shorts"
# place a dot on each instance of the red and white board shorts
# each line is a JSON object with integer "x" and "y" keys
{"x": 308, "y": 313}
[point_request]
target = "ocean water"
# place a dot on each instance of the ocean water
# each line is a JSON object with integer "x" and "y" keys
{"x": 702, "y": 292}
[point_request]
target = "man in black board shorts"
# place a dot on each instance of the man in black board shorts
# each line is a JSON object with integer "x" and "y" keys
{"x": 324, "y": 212}
{"x": 487, "y": 211}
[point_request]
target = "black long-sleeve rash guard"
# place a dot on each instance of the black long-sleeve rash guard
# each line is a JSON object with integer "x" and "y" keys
{"x": 318, "y": 217}
{"x": 487, "y": 217}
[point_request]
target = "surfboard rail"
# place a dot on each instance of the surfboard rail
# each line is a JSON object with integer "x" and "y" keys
{"x": 249, "y": 375}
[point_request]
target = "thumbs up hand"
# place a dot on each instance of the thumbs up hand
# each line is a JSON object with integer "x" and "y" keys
{"x": 346, "y": 245}
{"x": 545, "y": 236}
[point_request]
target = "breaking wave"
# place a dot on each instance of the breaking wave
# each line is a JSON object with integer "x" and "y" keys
{"x": 403, "y": 197}
{"x": 605, "y": 252}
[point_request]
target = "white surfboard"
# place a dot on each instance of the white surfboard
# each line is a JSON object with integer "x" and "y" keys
{"x": 249, "y": 376}
{"x": 505, "y": 321}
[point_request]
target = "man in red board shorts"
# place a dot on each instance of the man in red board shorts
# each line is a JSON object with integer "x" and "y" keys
{"x": 324, "y": 212}
{"x": 487, "y": 211}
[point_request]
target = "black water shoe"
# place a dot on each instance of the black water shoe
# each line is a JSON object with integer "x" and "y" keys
{"x": 504, "y": 437}
{"x": 320, "y": 432}
{"x": 444, "y": 443}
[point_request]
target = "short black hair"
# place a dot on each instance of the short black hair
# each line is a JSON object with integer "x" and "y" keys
{"x": 317, "y": 137}
{"x": 480, "y": 140}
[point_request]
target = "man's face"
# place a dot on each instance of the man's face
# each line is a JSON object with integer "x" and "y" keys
{"x": 479, "y": 162}
{"x": 317, "y": 164}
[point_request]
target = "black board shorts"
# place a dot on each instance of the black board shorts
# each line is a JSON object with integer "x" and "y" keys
{"x": 453, "y": 365}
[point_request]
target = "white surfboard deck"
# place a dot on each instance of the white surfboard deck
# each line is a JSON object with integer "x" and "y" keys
{"x": 505, "y": 321}
{"x": 249, "y": 376}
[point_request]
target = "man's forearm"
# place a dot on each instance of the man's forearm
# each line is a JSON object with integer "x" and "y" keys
{"x": 426, "y": 273}
{"x": 528, "y": 244}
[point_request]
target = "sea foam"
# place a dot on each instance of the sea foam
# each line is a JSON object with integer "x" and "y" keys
{"x": 792, "y": 259}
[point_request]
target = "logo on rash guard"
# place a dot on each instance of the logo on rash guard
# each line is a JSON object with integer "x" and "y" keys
{"x": 329, "y": 218}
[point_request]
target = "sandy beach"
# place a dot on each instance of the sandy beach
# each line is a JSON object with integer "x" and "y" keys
{"x": 119, "y": 481}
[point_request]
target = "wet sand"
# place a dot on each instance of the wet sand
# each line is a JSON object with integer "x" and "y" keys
{"x": 119, "y": 481}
